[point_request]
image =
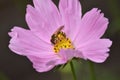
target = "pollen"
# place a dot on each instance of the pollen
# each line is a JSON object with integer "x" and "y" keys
{"x": 60, "y": 41}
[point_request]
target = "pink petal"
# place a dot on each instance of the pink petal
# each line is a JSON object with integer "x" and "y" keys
{"x": 49, "y": 14}
{"x": 42, "y": 64}
{"x": 68, "y": 54}
{"x": 71, "y": 16}
{"x": 24, "y": 42}
{"x": 96, "y": 50}
{"x": 37, "y": 24}
{"x": 92, "y": 26}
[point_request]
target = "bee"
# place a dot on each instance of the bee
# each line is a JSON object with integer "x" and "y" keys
{"x": 58, "y": 35}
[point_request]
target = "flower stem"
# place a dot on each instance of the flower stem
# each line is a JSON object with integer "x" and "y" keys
{"x": 73, "y": 70}
{"x": 92, "y": 71}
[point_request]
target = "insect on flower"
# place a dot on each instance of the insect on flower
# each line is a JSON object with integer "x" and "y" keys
{"x": 58, "y": 35}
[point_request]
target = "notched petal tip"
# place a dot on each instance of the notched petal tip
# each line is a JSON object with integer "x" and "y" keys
{"x": 13, "y": 32}
{"x": 110, "y": 42}
{"x": 29, "y": 8}
{"x": 107, "y": 43}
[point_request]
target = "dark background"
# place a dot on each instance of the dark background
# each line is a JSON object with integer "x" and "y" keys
{"x": 15, "y": 67}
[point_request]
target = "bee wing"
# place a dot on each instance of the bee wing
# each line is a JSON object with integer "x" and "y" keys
{"x": 59, "y": 29}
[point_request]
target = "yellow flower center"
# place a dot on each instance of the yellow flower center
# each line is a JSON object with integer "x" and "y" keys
{"x": 60, "y": 41}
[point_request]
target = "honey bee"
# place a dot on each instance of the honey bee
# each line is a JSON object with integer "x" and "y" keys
{"x": 58, "y": 35}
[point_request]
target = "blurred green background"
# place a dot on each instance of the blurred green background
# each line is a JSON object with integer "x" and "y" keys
{"x": 15, "y": 67}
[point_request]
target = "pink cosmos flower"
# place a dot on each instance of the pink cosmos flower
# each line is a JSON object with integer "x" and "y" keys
{"x": 56, "y": 36}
